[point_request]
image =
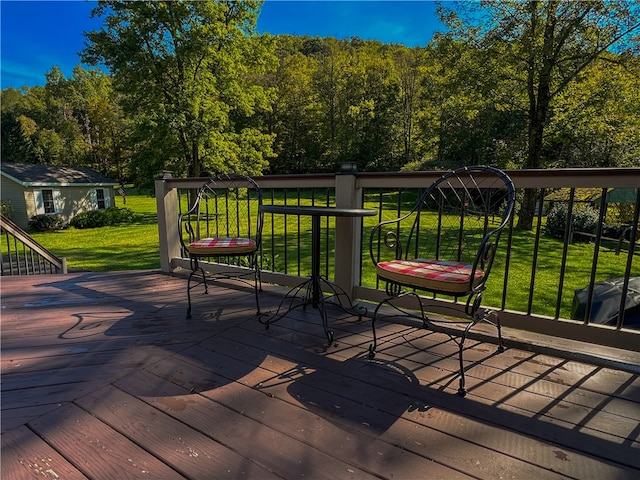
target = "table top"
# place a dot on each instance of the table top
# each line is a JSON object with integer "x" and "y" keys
{"x": 317, "y": 210}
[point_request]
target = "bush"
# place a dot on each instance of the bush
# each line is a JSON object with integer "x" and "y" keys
{"x": 47, "y": 222}
{"x": 6, "y": 208}
{"x": 91, "y": 219}
{"x": 103, "y": 218}
{"x": 117, "y": 215}
{"x": 584, "y": 219}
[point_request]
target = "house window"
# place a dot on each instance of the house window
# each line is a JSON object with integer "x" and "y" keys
{"x": 100, "y": 199}
{"x": 47, "y": 201}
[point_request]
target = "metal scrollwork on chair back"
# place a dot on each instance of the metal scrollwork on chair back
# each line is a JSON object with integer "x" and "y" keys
{"x": 488, "y": 254}
{"x": 393, "y": 289}
{"x": 391, "y": 241}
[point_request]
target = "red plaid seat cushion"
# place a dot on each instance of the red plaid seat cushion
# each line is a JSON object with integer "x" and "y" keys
{"x": 222, "y": 246}
{"x": 440, "y": 275}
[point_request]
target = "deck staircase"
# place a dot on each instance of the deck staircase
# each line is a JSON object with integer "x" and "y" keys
{"x": 22, "y": 255}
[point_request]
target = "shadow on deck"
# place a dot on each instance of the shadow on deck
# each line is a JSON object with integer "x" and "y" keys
{"x": 103, "y": 377}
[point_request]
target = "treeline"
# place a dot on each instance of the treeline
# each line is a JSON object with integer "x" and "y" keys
{"x": 317, "y": 102}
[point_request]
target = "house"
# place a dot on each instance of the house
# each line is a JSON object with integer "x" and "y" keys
{"x": 47, "y": 189}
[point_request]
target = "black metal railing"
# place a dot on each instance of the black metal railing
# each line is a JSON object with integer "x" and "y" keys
{"x": 600, "y": 258}
{"x": 536, "y": 276}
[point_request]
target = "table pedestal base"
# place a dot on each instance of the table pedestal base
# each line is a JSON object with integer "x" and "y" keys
{"x": 312, "y": 292}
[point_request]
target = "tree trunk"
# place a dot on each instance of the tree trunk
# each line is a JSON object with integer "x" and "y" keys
{"x": 539, "y": 100}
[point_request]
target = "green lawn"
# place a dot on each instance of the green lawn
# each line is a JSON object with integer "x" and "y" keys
{"x": 123, "y": 247}
{"x": 135, "y": 246}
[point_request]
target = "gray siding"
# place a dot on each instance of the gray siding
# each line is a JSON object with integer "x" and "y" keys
{"x": 15, "y": 193}
{"x": 75, "y": 200}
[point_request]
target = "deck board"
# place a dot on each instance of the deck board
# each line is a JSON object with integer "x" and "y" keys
{"x": 417, "y": 399}
{"x": 97, "y": 450}
{"x": 104, "y": 377}
{"x": 36, "y": 459}
{"x": 188, "y": 451}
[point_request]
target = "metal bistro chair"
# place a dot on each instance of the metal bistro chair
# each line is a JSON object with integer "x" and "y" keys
{"x": 224, "y": 225}
{"x": 445, "y": 245}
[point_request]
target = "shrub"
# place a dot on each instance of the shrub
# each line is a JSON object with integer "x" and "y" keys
{"x": 584, "y": 219}
{"x": 91, "y": 219}
{"x": 6, "y": 208}
{"x": 102, "y": 218}
{"x": 47, "y": 222}
{"x": 115, "y": 215}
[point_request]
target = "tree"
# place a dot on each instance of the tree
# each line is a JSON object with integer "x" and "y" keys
{"x": 595, "y": 121}
{"x": 548, "y": 43}
{"x": 16, "y": 147}
{"x": 293, "y": 121}
{"x": 409, "y": 70}
{"x": 103, "y": 123}
{"x": 370, "y": 109}
{"x": 62, "y": 139}
{"x": 184, "y": 69}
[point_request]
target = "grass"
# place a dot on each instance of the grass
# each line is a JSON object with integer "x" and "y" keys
{"x": 123, "y": 247}
{"x": 135, "y": 247}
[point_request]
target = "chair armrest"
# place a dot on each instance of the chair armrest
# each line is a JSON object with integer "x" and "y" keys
{"x": 385, "y": 241}
{"x": 486, "y": 255}
{"x": 184, "y": 227}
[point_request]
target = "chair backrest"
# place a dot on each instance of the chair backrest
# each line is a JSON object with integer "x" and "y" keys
{"x": 227, "y": 205}
{"x": 460, "y": 217}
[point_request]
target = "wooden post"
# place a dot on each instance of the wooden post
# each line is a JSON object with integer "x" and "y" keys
{"x": 348, "y": 234}
{"x": 167, "y": 205}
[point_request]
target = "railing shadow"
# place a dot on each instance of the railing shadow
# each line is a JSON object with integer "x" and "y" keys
{"x": 109, "y": 313}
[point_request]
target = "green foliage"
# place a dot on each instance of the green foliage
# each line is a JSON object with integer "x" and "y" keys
{"x": 102, "y": 218}
{"x": 90, "y": 219}
{"x": 194, "y": 90}
{"x": 189, "y": 66}
{"x": 540, "y": 49}
{"x": 583, "y": 219}
{"x": 48, "y": 222}
{"x": 6, "y": 209}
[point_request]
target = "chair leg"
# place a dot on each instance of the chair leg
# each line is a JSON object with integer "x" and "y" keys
{"x": 259, "y": 277}
{"x": 479, "y": 317}
{"x": 394, "y": 295}
{"x": 461, "y": 390}
{"x": 499, "y": 327}
{"x": 189, "y": 287}
{"x": 189, "y": 293}
{"x": 258, "y": 289}
{"x": 374, "y": 345}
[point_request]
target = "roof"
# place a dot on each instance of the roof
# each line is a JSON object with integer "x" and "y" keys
{"x": 614, "y": 195}
{"x": 31, "y": 175}
{"x": 622, "y": 195}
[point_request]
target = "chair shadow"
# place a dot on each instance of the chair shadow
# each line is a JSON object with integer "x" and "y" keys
{"x": 358, "y": 401}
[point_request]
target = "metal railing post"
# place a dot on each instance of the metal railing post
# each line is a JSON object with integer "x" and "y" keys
{"x": 348, "y": 234}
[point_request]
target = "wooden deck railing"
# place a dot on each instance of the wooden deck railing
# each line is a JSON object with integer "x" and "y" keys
{"x": 22, "y": 255}
{"x": 536, "y": 282}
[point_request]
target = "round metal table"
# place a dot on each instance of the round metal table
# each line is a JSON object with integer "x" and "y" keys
{"x": 311, "y": 291}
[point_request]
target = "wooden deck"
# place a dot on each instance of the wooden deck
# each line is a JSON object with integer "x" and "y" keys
{"x": 104, "y": 378}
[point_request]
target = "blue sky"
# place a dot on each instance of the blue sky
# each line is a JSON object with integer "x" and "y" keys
{"x": 37, "y": 35}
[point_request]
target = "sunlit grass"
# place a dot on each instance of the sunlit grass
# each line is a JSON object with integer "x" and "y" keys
{"x": 546, "y": 279}
{"x": 135, "y": 247}
{"x": 122, "y": 247}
